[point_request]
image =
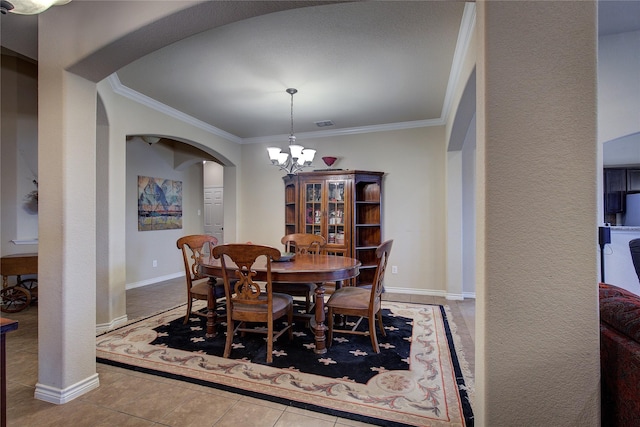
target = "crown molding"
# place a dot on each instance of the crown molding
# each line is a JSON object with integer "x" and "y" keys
{"x": 467, "y": 29}
{"x": 347, "y": 131}
{"x": 138, "y": 97}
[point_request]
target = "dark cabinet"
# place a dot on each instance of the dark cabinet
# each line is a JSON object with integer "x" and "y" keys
{"x": 633, "y": 180}
{"x": 615, "y": 188}
{"x": 343, "y": 206}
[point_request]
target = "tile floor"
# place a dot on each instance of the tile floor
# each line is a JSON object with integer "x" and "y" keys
{"x": 128, "y": 398}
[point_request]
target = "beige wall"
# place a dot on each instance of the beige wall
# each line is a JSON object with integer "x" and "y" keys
{"x": 143, "y": 247}
{"x": 126, "y": 117}
{"x": 413, "y": 201}
{"x": 19, "y": 154}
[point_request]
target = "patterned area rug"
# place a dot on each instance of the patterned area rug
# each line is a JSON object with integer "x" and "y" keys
{"x": 417, "y": 379}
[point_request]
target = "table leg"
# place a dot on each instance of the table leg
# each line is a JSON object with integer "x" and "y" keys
{"x": 211, "y": 315}
{"x": 318, "y": 326}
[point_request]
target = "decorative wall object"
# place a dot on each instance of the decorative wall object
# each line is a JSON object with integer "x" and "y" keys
{"x": 31, "y": 200}
{"x": 159, "y": 204}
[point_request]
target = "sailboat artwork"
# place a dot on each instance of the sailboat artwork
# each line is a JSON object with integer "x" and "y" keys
{"x": 159, "y": 204}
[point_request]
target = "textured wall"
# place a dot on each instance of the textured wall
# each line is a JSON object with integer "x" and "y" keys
{"x": 537, "y": 311}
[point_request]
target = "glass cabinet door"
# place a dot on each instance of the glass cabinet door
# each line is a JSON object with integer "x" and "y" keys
{"x": 313, "y": 208}
{"x": 335, "y": 213}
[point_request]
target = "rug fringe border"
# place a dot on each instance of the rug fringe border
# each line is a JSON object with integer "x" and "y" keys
{"x": 462, "y": 359}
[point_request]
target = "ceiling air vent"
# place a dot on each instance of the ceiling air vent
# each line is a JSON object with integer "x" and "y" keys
{"x": 324, "y": 123}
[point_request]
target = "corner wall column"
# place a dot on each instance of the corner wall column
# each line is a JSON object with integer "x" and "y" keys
{"x": 454, "y": 226}
{"x": 67, "y": 228}
{"x": 537, "y": 301}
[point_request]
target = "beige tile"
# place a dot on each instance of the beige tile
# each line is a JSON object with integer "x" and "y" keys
{"x": 388, "y": 296}
{"x": 21, "y": 405}
{"x": 214, "y": 391}
{"x": 22, "y": 367}
{"x": 261, "y": 402}
{"x": 138, "y": 396}
{"x": 423, "y": 299}
{"x": 247, "y": 414}
{"x": 291, "y": 419}
{"x": 25, "y": 410}
{"x": 201, "y": 409}
{"x": 310, "y": 414}
{"x": 78, "y": 413}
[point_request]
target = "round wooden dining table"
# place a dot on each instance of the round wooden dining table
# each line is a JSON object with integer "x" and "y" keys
{"x": 303, "y": 268}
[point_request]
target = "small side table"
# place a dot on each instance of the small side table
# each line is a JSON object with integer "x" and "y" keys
{"x": 6, "y": 325}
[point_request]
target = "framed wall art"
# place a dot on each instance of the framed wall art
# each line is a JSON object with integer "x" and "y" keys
{"x": 159, "y": 204}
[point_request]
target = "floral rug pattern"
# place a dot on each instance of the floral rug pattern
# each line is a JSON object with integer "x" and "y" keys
{"x": 435, "y": 391}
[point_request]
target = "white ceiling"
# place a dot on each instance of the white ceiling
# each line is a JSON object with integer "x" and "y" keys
{"x": 356, "y": 64}
{"x": 364, "y": 64}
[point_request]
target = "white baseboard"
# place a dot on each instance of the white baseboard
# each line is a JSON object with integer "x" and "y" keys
{"x": 413, "y": 291}
{"x": 60, "y": 396}
{"x": 430, "y": 292}
{"x": 104, "y": 327}
{"x": 153, "y": 280}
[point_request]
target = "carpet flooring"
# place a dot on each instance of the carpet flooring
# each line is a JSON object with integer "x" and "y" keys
{"x": 419, "y": 378}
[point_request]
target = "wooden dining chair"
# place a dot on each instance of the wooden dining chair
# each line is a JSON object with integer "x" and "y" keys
{"x": 301, "y": 243}
{"x": 362, "y": 301}
{"x": 246, "y": 301}
{"x": 192, "y": 247}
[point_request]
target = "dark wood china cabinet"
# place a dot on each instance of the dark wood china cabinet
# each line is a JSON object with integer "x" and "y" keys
{"x": 343, "y": 206}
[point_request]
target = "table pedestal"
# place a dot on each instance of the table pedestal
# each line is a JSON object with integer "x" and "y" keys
{"x": 211, "y": 312}
{"x": 317, "y": 324}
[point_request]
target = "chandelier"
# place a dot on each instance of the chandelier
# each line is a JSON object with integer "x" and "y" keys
{"x": 300, "y": 157}
{"x": 28, "y": 7}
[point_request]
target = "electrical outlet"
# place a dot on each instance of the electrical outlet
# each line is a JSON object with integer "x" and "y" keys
{"x": 394, "y": 269}
{"x": 155, "y": 262}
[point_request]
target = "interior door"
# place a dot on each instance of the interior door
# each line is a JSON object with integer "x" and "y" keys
{"x": 214, "y": 212}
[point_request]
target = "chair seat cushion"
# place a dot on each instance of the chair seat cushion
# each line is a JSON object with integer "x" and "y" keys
{"x": 350, "y": 297}
{"x": 280, "y": 302}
